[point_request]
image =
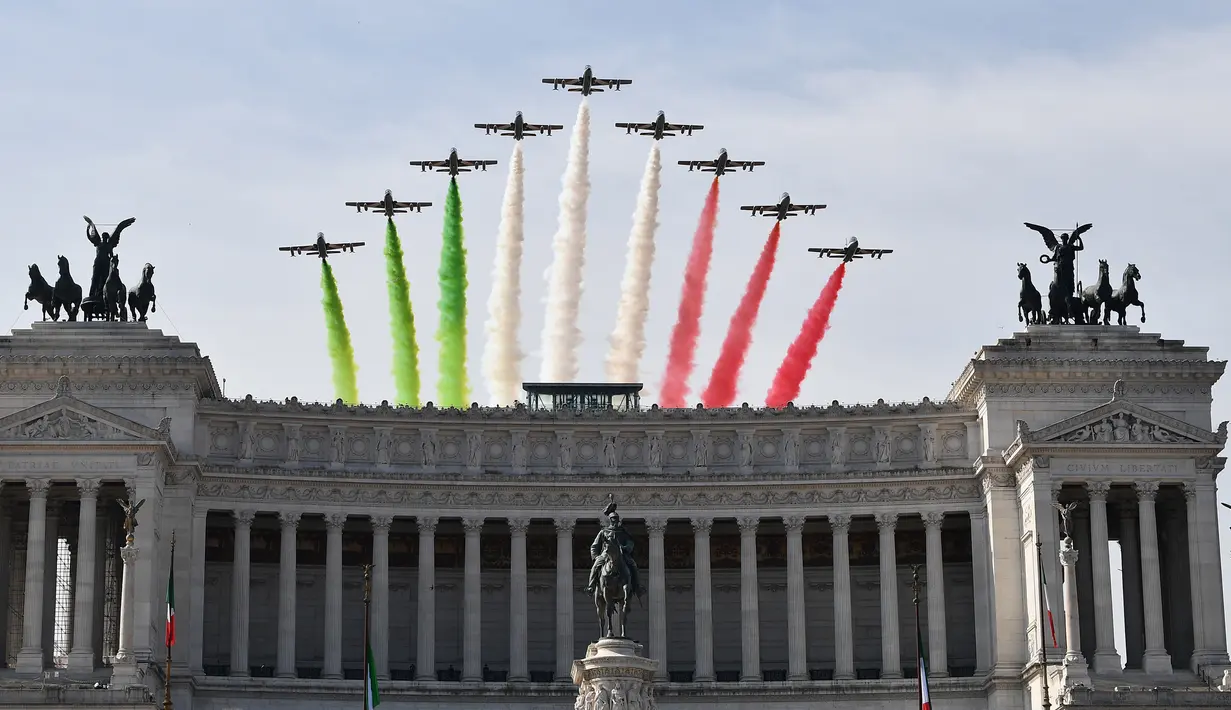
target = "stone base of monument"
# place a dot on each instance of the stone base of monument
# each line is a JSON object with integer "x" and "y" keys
{"x": 615, "y": 675}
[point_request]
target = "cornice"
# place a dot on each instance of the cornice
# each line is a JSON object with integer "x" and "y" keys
{"x": 1094, "y": 377}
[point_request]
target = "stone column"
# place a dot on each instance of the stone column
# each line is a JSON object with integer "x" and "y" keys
{"x": 658, "y": 596}
{"x": 241, "y": 590}
{"x": 518, "y": 613}
{"x": 1156, "y": 659}
{"x": 196, "y": 591}
{"x": 981, "y": 577}
{"x": 81, "y": 658}
{"x": 703, "y": 608}
{"x": 797, "y": 633}
{"x": 749, "y": 600}
{"x": 1075, "y": 670}
{"x": 843, "y": 635}
{"x": 891, "y": 651}
{"x": 30, "y": 658}
{"x": 334, "y": 522}
{"x": 425, "y": 654}
{"x": 124, "y": 666}
{"x": 288, "y": 572}
{"x": 564, "y": 599}
{"x": 1106, "y": 658}
{"x": 6, "y": 545}
{"x": 472, "y": 651}
{"x": 1134, "y": 611}
{"x": 938, "y": 640}
{"x": 1194, "y": 576}
{"x": 1211, "y": 562}
{"x": 51, "y": 559}
{"x": 380, "y": 594}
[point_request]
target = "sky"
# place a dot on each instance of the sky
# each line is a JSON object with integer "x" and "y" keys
{"x": 229, "y": 129}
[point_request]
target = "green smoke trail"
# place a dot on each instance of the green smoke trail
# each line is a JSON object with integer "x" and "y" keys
{"x": 401, "y": 321}
{"x": 453, "y": 388}
{"x": 340, "y": 351}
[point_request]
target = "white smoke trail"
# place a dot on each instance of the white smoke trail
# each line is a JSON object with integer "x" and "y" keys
{"x": 561, "y": 336}
{"x": 502, "y": 355}
{"x": 628, "y": 338}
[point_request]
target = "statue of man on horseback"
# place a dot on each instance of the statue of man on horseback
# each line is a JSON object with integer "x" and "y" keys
{"x": 614, "y": 578}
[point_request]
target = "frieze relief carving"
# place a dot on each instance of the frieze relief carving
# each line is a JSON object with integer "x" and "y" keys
{"x": 1123, "y": 428}
{"x": 66, "y": 425}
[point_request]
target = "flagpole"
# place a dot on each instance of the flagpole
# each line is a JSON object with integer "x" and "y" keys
{"x": 367, "y": 605}
{"x": 918, "y": 633}
{"x": 166, "y": 686}
{"x": 1038, "y": 546}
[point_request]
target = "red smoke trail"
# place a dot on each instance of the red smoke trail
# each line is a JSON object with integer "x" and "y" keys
{"x": 721, "y": 390}
{"x": 799, "y": 356}
{"x": 682, "y": 356}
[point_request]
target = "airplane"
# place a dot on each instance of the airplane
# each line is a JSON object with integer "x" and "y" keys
{"x": 453, "y": 164}
{"x": 850, "y": 252}
{"x": 660, "y": 128}
{"x": 783, "y": 209}
{"x": 721, "y": 165}
{"x": 587, "y": 83}
{"x": 322, "y": 248}
{"x": 388, "y": 206}
{"x": 520, "y": 129}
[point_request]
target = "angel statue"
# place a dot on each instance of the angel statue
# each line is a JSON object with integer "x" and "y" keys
{"x": 1066, "y": 514}
{"x": 130, "y": 518}
{"x": 1063, "y": 255}
{"x": 104, "y": 246}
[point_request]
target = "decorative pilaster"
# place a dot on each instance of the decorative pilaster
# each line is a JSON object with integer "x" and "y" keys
{"x": 425, "y": 654}
{"x": 334, "y": 522}
{"x": 518, "y": 612}
{"x": 797, "y": 640}
{"x": 749, "y": 600}
{"x": 1075, "y": 670}
{"x": 196, "y": 591}
{"x": 380, "y": 594}
{"x": 891, "y": 651}
{"x": 288, "y": 571}
{"x": 241, "y": 590}
{"x": 30, "y": 658}
{"x": 472, "y": 646}
{"x": 981, "y": 574}
{"x": 1106, "y": 658}
{"x": 657, "y": 527}
{"x": 1210, "y": 556}
{"x": 938, "y": 641}
{"x": 1194, "y": 575}
{"x": 1155, "y": 659}
{"x": 564, "y": 597}
{"x": 843, "y": 636}
{"x": 703, "y": 606}
{"x": 81, "y": 658}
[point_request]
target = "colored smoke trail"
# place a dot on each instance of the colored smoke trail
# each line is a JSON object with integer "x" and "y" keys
{"x": 561, "y": 336}
{"x": 682, "y": 356}
{"x": 720, "y": 392}
{"x": 341, "y": 354}
{"x": 799, "y": 356}
{"x": 628, "y": 339}
{"x": 502, "y": 356}
{"x": 452, "y": 389}
{"x": 401, "y": 321}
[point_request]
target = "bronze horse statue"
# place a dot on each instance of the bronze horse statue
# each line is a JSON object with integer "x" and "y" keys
{"x": 114, "y": 292}
{"x": 1029, "y": 300}
{"x": 67, "y": 293}
{"x": 614, "y": 591}
{"x": 1098, "y": 297}
{"x": 1126, "y": 295}
{"x": 42, "y": 292}
{"x": 141, "y": 297}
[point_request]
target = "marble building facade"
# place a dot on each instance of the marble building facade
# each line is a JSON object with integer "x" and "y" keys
{"x": 776, "y": 546}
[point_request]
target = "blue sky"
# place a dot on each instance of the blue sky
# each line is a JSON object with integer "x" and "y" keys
{"x": 933, "y": 128}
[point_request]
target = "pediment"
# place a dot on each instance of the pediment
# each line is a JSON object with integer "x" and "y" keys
{"x": 68, "y": 419}
{"x": 1123, "y": 422}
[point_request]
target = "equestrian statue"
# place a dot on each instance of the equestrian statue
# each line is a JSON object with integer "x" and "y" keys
{"x": 614, "y": 578}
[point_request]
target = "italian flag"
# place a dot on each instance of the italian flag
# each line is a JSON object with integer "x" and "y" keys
{"x": 925, "y": 698}
{"x": 1051, "y": 622}
{"x": 372, "y": 699}
{"x": 171, "y": 602}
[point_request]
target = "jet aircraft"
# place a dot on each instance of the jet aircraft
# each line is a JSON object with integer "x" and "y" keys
{"x": 519, "y": 129}
{"x": 850, "y": 252}
{"x": 783, "y": 209}
{"x": 322, "y": 248}
{"x": 721, "y": 165}
{"x": 660, "y": 128}
{"x": 388, "y": 206}
{"x": 587, "y": 83}
{"x": 453, "y": 164}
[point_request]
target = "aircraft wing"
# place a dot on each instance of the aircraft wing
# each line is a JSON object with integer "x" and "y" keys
{"x": 565, "y": 82}
{"x": 366, "y": 205}
{"x": 489, "y": 127}
{"x": 749, "y": 164}
{"x": 541, "y": 127}
{"x": 760, "y": 209}
{"x": 807, "y": 209}
{"x": 874, "y": 253}
{"x": 296, "y": 250}
{"x": 430, "y": 163}
{"x": 636, "y": 126}
{"x": 609, "y": 82}
{"x": 476, "y": 163}
{"x": 342, "y": 246}
{"x": 701, "y": 163}
{"x": 415, "y": 206}
{"x": 682, "y": 127}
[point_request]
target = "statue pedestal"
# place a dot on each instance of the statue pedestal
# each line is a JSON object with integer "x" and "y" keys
{"x": 615, "y": 675}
